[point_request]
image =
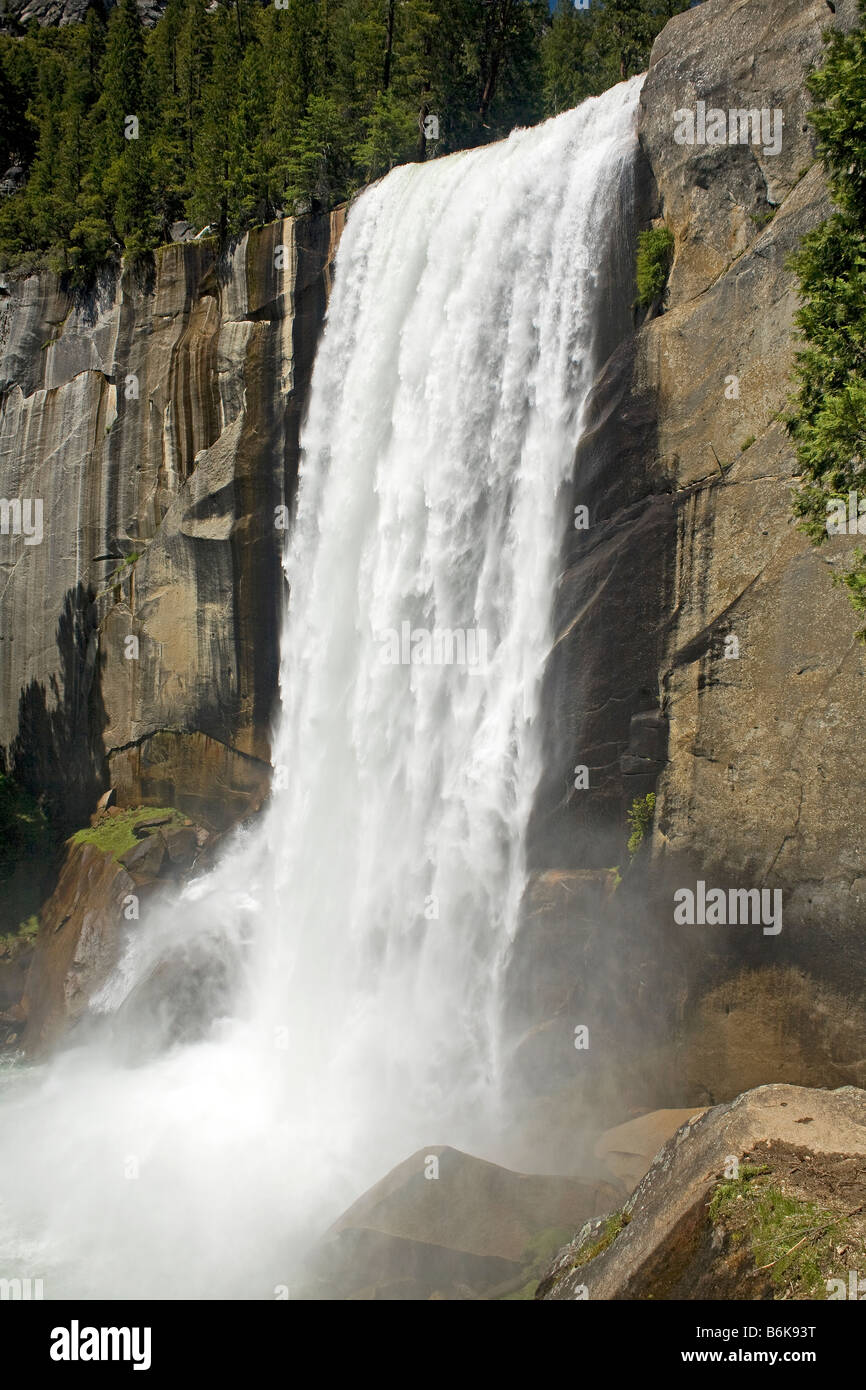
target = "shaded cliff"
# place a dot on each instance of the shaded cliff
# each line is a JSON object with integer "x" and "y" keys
{"x": 156, "y": 420}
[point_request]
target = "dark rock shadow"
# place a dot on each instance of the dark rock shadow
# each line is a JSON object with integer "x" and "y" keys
{"x": 57, "y": 754}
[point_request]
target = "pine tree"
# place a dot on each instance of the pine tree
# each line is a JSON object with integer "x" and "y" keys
{"x": 17, "y": 77}
{"x": 390, "y": 137}
{"x": 625, "y": 30}
{"x": 570, "y": 62}
{"x": 43, "y": 204}
{"x": 169, "y": 140}
{"x": 212, "y": 192}
{"x": 244, "y": 109}
{"x": 125, "y": 126}
{"x": 86, "y": 237}
{"x": 122, "y": 73}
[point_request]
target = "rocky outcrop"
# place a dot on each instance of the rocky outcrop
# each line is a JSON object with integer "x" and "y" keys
{"x": 155, "y": 419}
{"x": 729, "y": 1202}
{"x": 78, "y": 943}
{"x": 446, "y": 1225}
{"x": 704, "y": 653}
{"x": 108, "y": 874}
{"x": 20, "y": 13}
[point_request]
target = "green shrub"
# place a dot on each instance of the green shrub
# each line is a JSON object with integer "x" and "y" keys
{"x": 24, "y": 832}
{"x": 13, "y": 943}
{"x": 640, "y": 818}
{"x": 828, "y": 419}
{"x": 655, "y": 253}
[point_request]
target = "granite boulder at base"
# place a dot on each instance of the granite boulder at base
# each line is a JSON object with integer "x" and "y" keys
{"x": 446, "y": 1225}
{"x": 629, "y": 1149}
{"x": 762, "y": 1198}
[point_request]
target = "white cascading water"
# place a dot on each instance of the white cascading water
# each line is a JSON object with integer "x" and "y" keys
{"x": 348, "y": 951}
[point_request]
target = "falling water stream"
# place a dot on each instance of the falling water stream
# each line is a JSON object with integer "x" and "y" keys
{"x": 343, "y": 962}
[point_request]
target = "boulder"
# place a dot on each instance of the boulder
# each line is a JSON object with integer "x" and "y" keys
{"x": 729, "y": 1202}
{"x": 107, "y": 800}
{"x": 181, "y": 231}
{"x": 447, "y": 1225}
{"x": 101, "y": 892}
{"x": 144, "y": 861}
{"x": 178, "y": 1000}
{"x": 143, "y": 828}
{"x": 629, "y": 1149}
{"x": 78, "y": 943}
{"x": 182, "y": 844}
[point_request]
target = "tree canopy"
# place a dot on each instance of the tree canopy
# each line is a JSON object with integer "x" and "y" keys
{"x": 225, "y": 114}
{"x": 828, "y": 422}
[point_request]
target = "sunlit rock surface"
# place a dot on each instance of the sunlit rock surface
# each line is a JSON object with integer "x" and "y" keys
{"x": 157, "y": 420}
{"x": 704, "y": 652}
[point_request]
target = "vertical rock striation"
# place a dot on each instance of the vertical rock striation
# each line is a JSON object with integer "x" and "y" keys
{"x": 156, "y": 418}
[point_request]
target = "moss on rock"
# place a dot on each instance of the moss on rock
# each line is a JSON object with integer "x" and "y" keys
{"x": 115, "y": 834}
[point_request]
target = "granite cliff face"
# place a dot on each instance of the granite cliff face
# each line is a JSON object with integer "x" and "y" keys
{"x": 704, "y": 653}
{"x": 157, "y": 422}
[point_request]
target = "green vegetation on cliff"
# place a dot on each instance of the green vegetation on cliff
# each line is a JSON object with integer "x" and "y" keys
{"x": 14, "y": 944}
{"x": 794, "y": 1239}
{"x": 536, "y": 1258}
{"x": 604, "y": 1239}
{"x": 640, "y": 818}
{"x": 24, "y": 830}
{"x": 115, "y": 833}
{"x": 828, "y": 422}
{"x": 225, "y": 115}
{"x": 655, "y": 254}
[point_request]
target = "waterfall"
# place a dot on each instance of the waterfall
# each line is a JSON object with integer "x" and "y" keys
{"x": 327, "y": 999}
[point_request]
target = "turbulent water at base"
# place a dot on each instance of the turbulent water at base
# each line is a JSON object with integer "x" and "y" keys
{"x": 328, "y": 999}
